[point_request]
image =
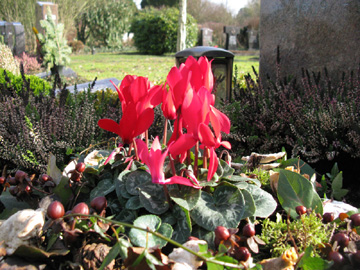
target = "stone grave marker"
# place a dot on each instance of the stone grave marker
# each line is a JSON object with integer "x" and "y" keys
{"x": 13, "y": 35}
{"x": 19, "y": 33}
{"x": 206, "y": 36}
{"x": 311, "y": 34}
{"x": 231, "y": 33}
{"x": 41, "y": 13}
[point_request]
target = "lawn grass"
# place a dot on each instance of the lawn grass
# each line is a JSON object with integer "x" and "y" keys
{"x": 156, "y": 68}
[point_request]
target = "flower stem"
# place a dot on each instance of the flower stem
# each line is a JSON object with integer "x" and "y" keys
{"x": 205, "y": 157}
{"x": 165, "y": 131}
{"x": 135, "y": 149}
{"x": 196, "y": 159}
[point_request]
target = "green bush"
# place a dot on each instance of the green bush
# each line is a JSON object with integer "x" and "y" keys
{"x": 37, "y": 85}
{"x": 155, "y": 31}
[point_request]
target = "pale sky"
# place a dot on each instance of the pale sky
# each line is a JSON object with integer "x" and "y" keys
{"x": 233, "y": 5}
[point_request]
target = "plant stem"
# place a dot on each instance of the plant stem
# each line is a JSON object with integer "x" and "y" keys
{"x": 165, "y": 131}
{"x": 205, "y": 157}
{"x": 136, "y": 150}
{"x": 196, "y": 159}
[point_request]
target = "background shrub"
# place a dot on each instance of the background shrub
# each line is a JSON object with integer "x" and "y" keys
{"x": 18, "y": 83}
{"x": 155, "y": 31}
{"x": 314, "y": 119}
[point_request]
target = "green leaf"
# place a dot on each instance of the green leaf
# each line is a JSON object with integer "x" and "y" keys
{"x": 63, "y": 190}
{"x": 133, "y": 203}
{"x": 337, "y": 191}
{"x": 186, "y": 197}
{"x": 250, "y": 207}
{"x": 153, "y": 199}
{"x": 182, "y": 228}
{"x": 264, "y": 201}
{"x": 226, "y": 207}
{"x": 208, "y": 236}
{"x": 145, "y": 239}
{"x": 295, "y": 190}
{"x": 103, "y": 188}
{"x": 135, "y": 179}
{"x": 227, "y": 171}
{"x": 126, "y": 216}
{"x": 309, "y": 262}
{"x": 120, "y": 185}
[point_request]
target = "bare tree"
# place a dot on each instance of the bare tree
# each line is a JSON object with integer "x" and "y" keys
{"x": 181, "y": 37}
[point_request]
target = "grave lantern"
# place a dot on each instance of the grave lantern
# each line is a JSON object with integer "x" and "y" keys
{"x": 222, "y": 67}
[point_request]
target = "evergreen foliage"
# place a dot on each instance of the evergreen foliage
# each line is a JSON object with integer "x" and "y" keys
{"x": 53, "y": 43}
{"x": 105, "y": 23}
{"x": 155, "y": 31}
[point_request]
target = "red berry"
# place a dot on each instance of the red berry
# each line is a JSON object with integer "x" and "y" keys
{"x": 248, "y": 230}
{"x": 355, "y": 219}
{"x": 328, "y": 217}
{"x": 2, "y": 180}
{"x": 45, "y": 177}
{"x": 20, "y": 175}
{"x": 242, "y": 254}
{"x": 99, "y": 204}
{"x": 80, "y": 167}
{"x": 55, "y": 210}
{"x": 342, "y": 239}
{"x": 300, "y": 210}
{"x": 222, "y": 233}
{"x": 81, "y": 208}
{"x": 28, "y": 189}
{"x": 336, "y": 257}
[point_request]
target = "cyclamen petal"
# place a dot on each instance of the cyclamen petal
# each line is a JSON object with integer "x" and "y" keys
{"x": 180, "y": 180}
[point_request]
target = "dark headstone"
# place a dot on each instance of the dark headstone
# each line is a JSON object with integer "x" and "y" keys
{"x": 312, "y": 34}
{"x": 206, "y": 36}
{"x": 19, "y": 32}
{"x": 231, "y": 33}
{"x": 13, "y": 35}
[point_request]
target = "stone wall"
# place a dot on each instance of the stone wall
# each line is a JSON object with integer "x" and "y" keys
{"x": 312, "y": 34}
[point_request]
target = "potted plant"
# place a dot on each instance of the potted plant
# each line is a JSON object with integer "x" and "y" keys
{"x": 54, "y": 47}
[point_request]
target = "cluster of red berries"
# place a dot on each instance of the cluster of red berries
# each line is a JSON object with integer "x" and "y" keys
{"x": 76, "y": 175}
{"x": 66, "y": 221}
{"x": 21, "y": 184}
{"x": 239, "y": 245}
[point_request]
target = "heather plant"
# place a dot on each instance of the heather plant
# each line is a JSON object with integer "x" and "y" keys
{"x": 33, "y": 126}
{"x": 30, "y": 63}
{"x": 7, "y": 60}
{"x": 313, "y": 118}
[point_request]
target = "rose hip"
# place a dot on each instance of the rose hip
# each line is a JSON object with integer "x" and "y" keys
{"x": 55, "y": 210}
{"x": 300, "y": 210}
{"x": 80, "y": 167}
{"x": 81, "y": 208}
{"x": 328, "y": 217}
{"x": 248, "y": 230}
{"x": 342, "y": 239}
{"x": 242, "y": 254}
{"x": 355, "y": 219}
{"x": 99, "y": 204}
{"x": 222, "y": 233}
